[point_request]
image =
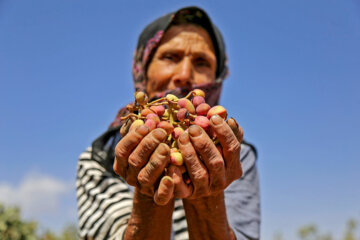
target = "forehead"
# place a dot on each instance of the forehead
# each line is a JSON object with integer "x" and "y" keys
{"x": 185, "y": 36}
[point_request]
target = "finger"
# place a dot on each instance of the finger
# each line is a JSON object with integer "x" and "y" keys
{"x": 181, "y": 190}
{"x": 237, "y": 130}
{"x": 196, "y": 169}
{"x": 125, "y": 147}
{"x": 210, "y": 156}
{"x": 165, "y": 191}
{"x": 149, "y": 174}
{"x": 227, "y": 139}
{"x": 140, "y": 156}
{"x": 125, "y": 127}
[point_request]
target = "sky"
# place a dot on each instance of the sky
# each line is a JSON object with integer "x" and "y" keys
{"x": 294, "y": 83}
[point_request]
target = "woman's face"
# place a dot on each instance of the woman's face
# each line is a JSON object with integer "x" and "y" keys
{"x": 185, "y": 57}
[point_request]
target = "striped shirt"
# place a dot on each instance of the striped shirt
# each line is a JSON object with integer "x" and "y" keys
{"x": 105, "y": 201}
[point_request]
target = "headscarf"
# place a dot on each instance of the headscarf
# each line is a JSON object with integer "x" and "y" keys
{"x": 148, "y": 42}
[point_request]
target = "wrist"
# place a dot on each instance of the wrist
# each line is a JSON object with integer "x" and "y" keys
{"x": 207, "y": 218}
{"x": 144, "y": 206}
{"x": 205, "y": 202}
{"x": 149, "y": 220}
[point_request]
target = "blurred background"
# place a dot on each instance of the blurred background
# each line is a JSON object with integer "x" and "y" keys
{"x": 294, "y": 86}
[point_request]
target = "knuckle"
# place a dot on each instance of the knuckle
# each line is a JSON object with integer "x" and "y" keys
{"x": 203, "y": 145}
{"x": 217, "y": 165}
{"x": 133, "y": 161}
{"x": 143, "y": 180}
{"x": 187, "y": 154}
{"x": 147, "y": 145}
{"x": 119, "y": 152}
{"x": 234, "y": 147}
{"x": 153, "y": 165}
{"x": 201, "y": 177}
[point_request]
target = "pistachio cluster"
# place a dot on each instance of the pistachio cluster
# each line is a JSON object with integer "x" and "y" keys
{"x": 174, "y": 115}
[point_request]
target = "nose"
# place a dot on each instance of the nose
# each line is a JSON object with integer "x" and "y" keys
{"x": 183, "y": 74}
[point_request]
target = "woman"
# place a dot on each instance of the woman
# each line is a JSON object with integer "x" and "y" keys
{"x": 175, "y": 53}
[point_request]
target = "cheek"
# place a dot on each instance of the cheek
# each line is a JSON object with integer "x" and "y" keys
{"x": 158, "y": 77}
{"x": 204, "y": 78}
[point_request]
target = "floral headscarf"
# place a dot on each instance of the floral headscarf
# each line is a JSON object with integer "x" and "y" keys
{"x": 149, "y": 41}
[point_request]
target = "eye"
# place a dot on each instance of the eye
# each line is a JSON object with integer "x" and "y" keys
{"x": 201, "y": 62}
{"x": 173, "y": 57}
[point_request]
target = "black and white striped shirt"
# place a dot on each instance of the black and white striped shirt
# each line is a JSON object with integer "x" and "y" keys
{"x": 105, "y": 201}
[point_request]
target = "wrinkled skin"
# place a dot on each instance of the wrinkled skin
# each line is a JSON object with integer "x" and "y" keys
{"x": 209, "y": 171}
{"x": 184, "y": 58}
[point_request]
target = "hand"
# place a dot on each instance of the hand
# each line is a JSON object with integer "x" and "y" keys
{"x": 141, "y": 158}
{"x": 210, "y": 171}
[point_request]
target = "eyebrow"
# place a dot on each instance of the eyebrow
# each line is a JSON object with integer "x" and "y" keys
{"x": 202, "y": 54}
{"x": 205, "y": 55}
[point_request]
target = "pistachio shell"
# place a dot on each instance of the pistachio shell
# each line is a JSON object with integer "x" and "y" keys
{"x": 141, "y": 98}
{"x": 182, "y": 114}
{"x": 176, "y": 158}
{"x": 168, "y": 127}
{"x": 177, "y": 132}
{"x": 146, "y": 112}
{"x": 135, "y": 124}
{"x": 203, "y": 122}
{"x": 199, "y": 92}
{"x": 197, "y": 100}
{"x": 154, "y": 117}
{"x": 159, "y": 110}
{"x": 219, "y": 110}
{"x": 171, "y": 97}
{"x": 203, "y": 109}
{"x": 151, "y": 124}
{"x": 186, "y": 103}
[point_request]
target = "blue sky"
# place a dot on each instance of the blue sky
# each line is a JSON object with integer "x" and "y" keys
{"x": 65, "y": 69}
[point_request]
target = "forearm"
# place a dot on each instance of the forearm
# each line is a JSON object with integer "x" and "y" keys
{"x": 148, "y": 220}
{"x": 206, "y": 218}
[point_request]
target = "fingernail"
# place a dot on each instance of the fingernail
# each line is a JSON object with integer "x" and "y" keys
{"x": 216, "y": 119}
{"x": 233, "y": 121}
{"x": 194, "y": 131}
{"x": 159, "y": 134}
{"x": 168, "y": 181}
{"x": 184, "y": 138}
{"x": 163, "y": 149}
{"x": 143, "y": 130}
